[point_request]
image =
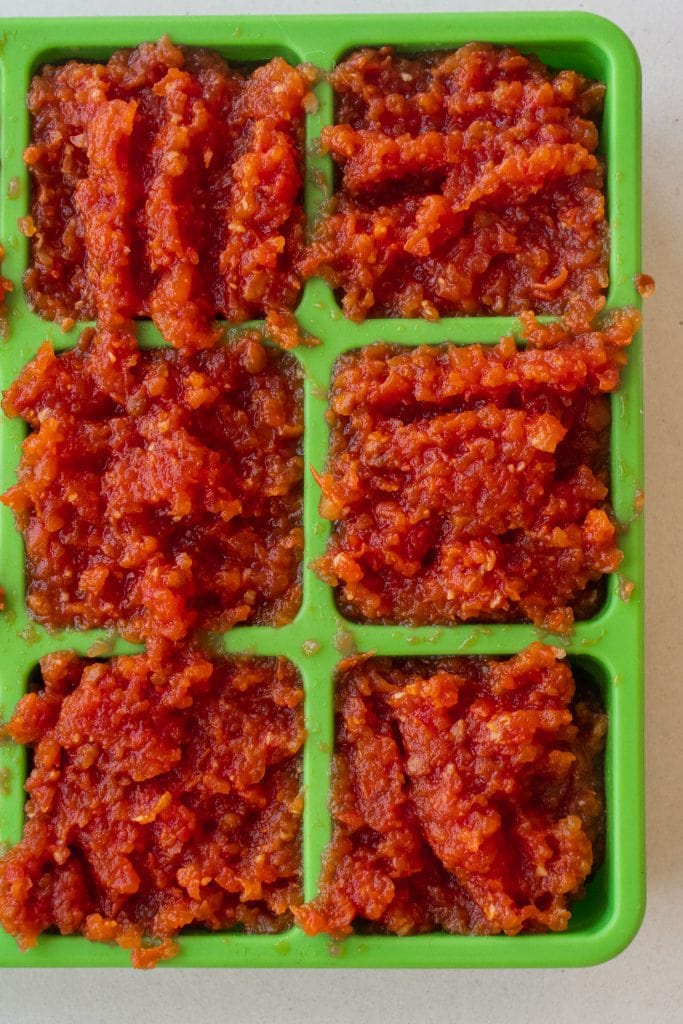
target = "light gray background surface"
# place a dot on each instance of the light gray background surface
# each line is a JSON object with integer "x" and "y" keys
{"x": 644, "y": 984}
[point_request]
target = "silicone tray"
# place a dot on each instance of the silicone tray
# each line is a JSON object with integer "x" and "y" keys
{"x": 609, "y": 646}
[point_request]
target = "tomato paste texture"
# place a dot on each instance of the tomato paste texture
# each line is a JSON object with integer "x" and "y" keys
{"x": 467, "y": 797}
{"x": 471, "y": 482}
{"x": 167, "y": 184}
{"x": 159, "y": 492}
{"x": 162, "y": 796}
{"x": 469, "y": 183}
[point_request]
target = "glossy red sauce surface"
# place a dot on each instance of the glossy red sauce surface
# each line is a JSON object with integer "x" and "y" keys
{"x": 167, "y": 184}
{"x": 159, "y": 493}
{"x": 471, "y": 482}
{"x": 467, "y": 797}
{"x": 162, "y": 795}
{"x": 468, "y": 183}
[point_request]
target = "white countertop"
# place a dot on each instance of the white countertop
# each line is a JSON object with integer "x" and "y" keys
{"x": 645, "y": 984}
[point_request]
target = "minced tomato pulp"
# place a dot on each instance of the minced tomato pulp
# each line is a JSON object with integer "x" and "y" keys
{"x": 467, "y": 797}
{"x": 471, "y": 482}
{"x": 159, "y": 493}
{"x": 469, "y": 183}
{"x": 168, "y": 184}
{"x": 162, "y": 795}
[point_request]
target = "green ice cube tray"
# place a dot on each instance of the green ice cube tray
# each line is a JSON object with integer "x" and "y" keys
{"x": 608, "y": 646}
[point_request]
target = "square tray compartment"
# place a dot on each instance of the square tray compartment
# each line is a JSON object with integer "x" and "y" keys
{"x": 609, "y": 645}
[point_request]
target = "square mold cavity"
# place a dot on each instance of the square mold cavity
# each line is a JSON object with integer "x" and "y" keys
{"x": 16, "y": 763}
{"x": 598, "y": 922}
{"x": 244, "y": 51}
{"x": 624, "y": 494}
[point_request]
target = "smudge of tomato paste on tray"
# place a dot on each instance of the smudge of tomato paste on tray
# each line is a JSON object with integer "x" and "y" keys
{"x": 6, "y": 287}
